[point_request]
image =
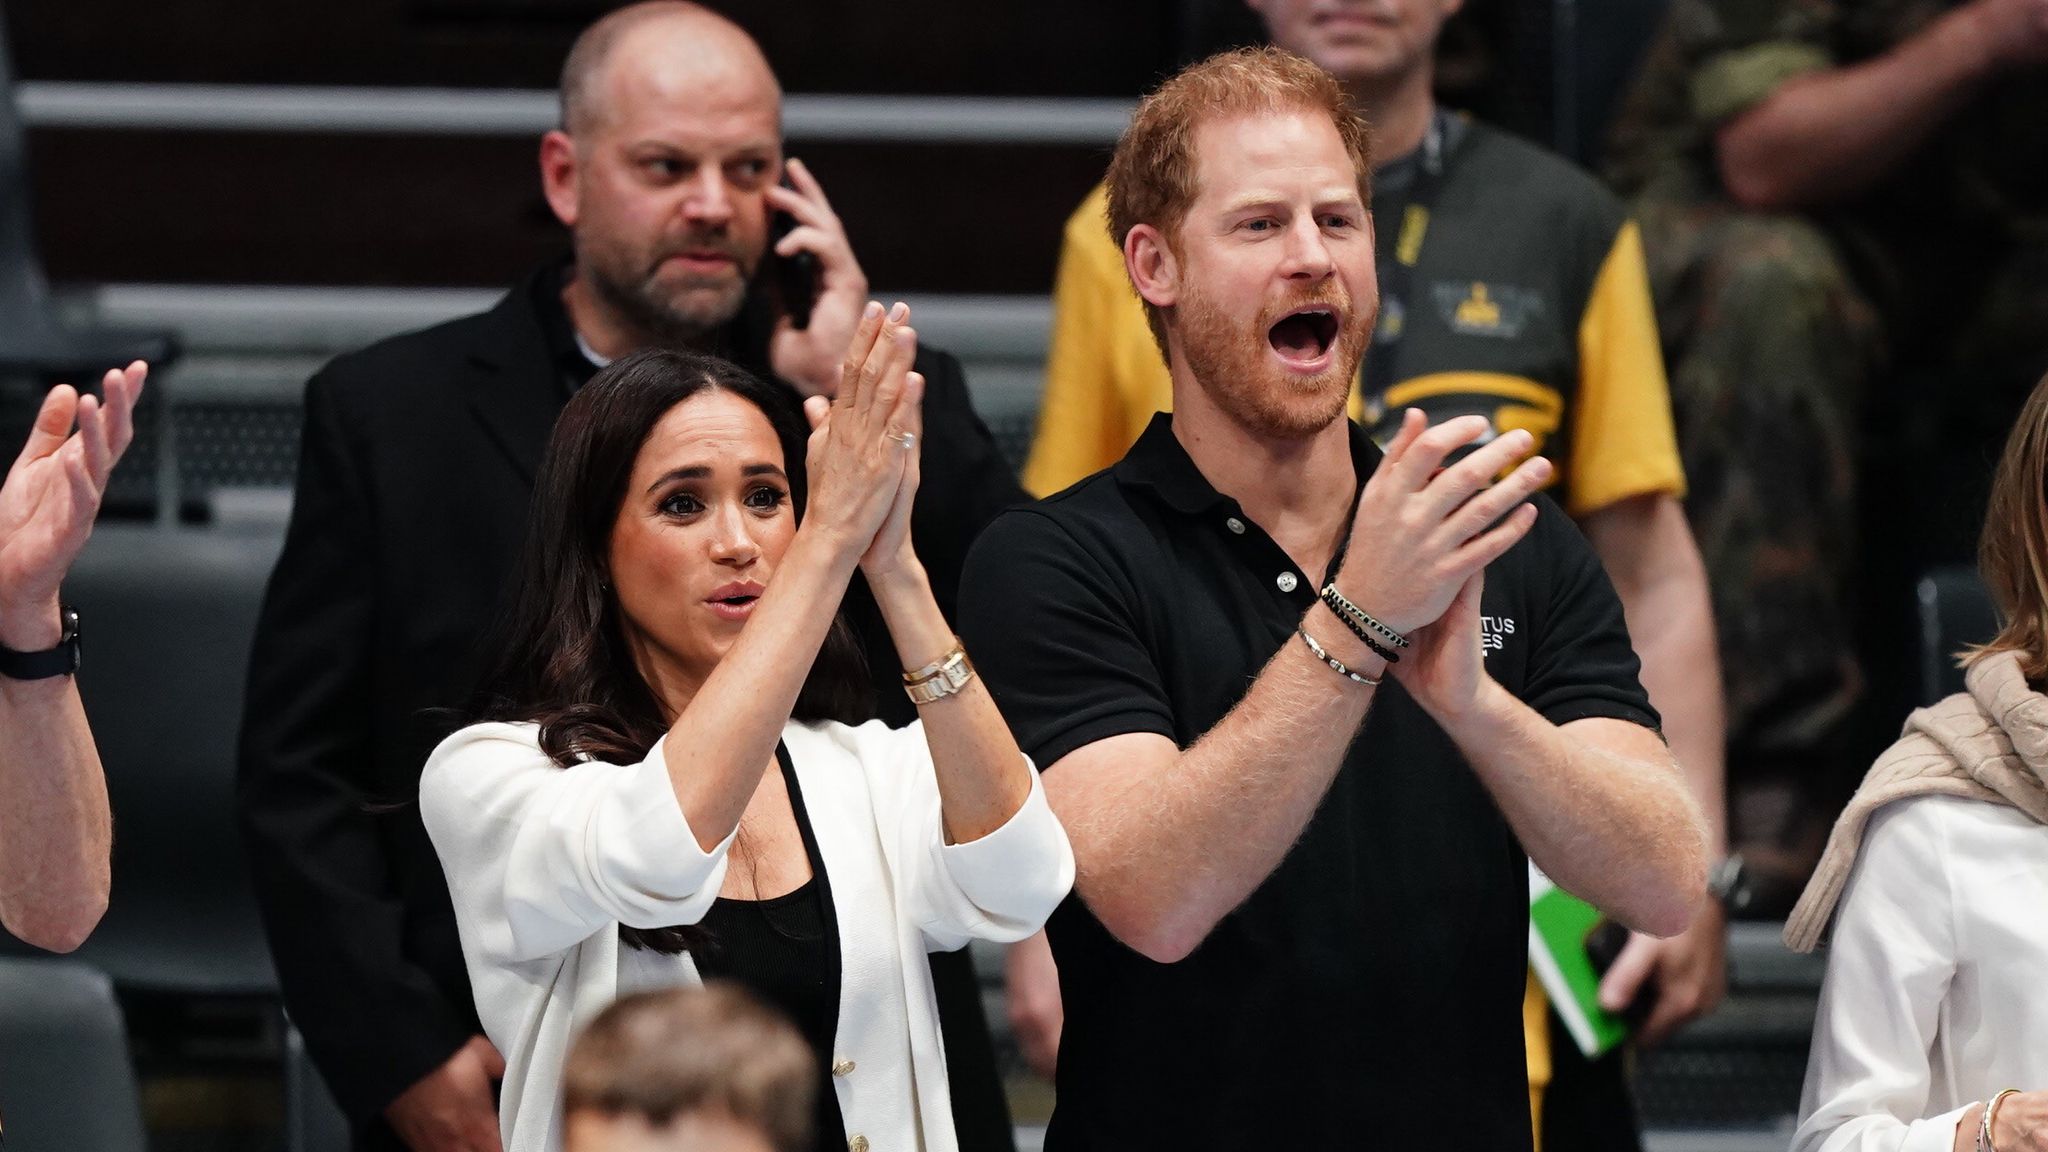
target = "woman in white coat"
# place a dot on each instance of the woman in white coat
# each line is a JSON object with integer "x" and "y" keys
{"x": 1932, "y": 1034}
{"x": 669, "y": 781}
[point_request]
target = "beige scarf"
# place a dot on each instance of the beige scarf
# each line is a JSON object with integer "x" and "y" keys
{"x": 1990, "y": 743}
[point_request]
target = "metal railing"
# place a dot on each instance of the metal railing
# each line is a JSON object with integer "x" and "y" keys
{"x": 1029, "y": 120}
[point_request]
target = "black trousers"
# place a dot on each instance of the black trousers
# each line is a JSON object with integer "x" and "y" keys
{"x": 1589, "y": 1106}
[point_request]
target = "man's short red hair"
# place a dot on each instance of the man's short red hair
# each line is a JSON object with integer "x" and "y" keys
{"x": 1152, "y": 175}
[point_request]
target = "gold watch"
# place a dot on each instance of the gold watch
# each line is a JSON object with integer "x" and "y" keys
{"x": 940, "y": 678}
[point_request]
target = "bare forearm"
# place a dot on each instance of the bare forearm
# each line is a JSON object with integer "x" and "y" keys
{"x": 1682, "y": 674}
{"x": 983, "y": 778}
{"x": 55, "y": 828}
{"x": 717, "y": 749}
{"x": 1832, "y": 135}
{"x": 1657, "y": 571}
{"x": 1167, "y": 845}
{"x": 1620, "y": 831}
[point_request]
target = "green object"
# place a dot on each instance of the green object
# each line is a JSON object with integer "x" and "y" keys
{"x": 1558, "y": 925}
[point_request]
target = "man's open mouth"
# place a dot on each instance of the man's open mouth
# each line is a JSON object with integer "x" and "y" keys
{"x": 1304, "y": 335}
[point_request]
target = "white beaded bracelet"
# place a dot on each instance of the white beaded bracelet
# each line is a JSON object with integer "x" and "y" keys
{"x": 1335, "y": 664}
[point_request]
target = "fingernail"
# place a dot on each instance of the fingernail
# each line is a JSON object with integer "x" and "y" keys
{"x": 873, "y": 310}
{"x": 898, "y": 311}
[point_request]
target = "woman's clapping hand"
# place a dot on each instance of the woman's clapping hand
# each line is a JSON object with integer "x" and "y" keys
{"x": 864, "y": 445}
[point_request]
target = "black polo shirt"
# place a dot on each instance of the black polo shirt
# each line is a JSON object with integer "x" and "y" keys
{"x": 1369, "y": 993}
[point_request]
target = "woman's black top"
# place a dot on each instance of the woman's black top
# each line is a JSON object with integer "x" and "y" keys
{"x": 786, "y": 951}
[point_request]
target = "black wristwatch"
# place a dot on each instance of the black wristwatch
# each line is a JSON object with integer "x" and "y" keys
{"x": 1728, "y": 882}
{"x": 59, "y": 661}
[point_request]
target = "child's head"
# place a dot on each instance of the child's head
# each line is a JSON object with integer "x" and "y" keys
{"x": 688, "y": 1070}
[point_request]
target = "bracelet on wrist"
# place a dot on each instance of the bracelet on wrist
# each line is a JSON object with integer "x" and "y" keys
{"x": 941, "y": 678}
{"x": 1356, "y": 619}
{"x": 1984, "y": 1141}
{"x": 1366, "y": 637}
{"x": 1335, "y": 664}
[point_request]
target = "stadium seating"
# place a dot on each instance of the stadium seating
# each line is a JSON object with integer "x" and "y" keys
{"x": 66, "y": 1084}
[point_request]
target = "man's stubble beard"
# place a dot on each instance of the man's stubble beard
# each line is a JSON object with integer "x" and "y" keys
{"x": 1233, "y": 365}
{"x": 669, "y": 317}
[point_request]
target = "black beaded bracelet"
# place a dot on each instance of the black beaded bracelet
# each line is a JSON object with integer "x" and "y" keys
{"x": 1364, "y": 637}
{"x": 1358, "y": 620}
{"x": 1335, "y": 664}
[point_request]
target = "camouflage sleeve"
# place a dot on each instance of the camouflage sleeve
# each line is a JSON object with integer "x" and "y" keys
{"x": 1738, "y": 52}
{"x": 1711, "y": 60}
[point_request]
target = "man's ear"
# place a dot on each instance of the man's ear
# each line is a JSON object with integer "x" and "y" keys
{"x": 558, "y": 175}
{"x": 1153, "y": 268}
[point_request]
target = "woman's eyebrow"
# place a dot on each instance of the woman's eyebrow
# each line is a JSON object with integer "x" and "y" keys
{"x": 702, "y": 471}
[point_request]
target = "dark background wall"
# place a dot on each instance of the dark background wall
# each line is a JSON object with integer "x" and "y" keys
{"x": 1043, "y": 47}
{"x": 385, "y": 210}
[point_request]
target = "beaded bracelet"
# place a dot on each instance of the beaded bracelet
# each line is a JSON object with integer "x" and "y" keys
{"x": 1335, "y": 664}
{"x": 1357, "y": 618}
{"x": 1364, "y": 637}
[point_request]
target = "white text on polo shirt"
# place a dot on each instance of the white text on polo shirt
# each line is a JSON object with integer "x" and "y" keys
{"x": 1494, "y": 631}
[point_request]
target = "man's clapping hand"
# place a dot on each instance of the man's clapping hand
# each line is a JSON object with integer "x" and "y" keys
{"x": 51, "y": 496}
{"x": 1422, "y": 536}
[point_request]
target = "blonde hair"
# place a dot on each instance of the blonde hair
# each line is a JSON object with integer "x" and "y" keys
{"x": 714, "y": 1049}
{"x": 2013, "y": 555}
{"x": 1153, "y": 172}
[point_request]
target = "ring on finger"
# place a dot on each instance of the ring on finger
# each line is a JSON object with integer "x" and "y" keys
{"x": 904, "y": 440}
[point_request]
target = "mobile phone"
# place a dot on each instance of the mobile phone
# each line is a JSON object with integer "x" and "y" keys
{"x": 1604, "y": 942}
{"x": 795, "y": 277}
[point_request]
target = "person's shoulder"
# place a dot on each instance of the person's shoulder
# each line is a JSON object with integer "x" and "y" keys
{"x": 1542, "y": 180}
{"x": 1910, "y": 837}
{"x": 1087, "y": 535}
{"x": 1093, "y": 508}
{"x": 473, "y": 760}
{"x": 488, "y": 739}
{"x": 374, "y": 365}
{"x": 1927, "y": 822}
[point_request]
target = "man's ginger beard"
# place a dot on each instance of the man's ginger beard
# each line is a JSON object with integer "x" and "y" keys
{"x": 1236, "y": 367}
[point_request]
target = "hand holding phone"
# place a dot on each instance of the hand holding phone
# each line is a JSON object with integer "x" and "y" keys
{"x": 795, "y": 277}
{"x": 817, "y": 283}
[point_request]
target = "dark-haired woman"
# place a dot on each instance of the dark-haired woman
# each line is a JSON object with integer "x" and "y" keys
{"x": 670, "y": 781}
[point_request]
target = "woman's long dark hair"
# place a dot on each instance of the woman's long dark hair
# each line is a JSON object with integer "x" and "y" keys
{"x": 559, "y": 658}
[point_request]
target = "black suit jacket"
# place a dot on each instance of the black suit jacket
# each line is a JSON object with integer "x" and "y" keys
{"x": 416, "y": 468}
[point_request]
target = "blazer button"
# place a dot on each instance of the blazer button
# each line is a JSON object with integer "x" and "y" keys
{"x": 842, "y": 1067}
{"x": 857, "y": 1144}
